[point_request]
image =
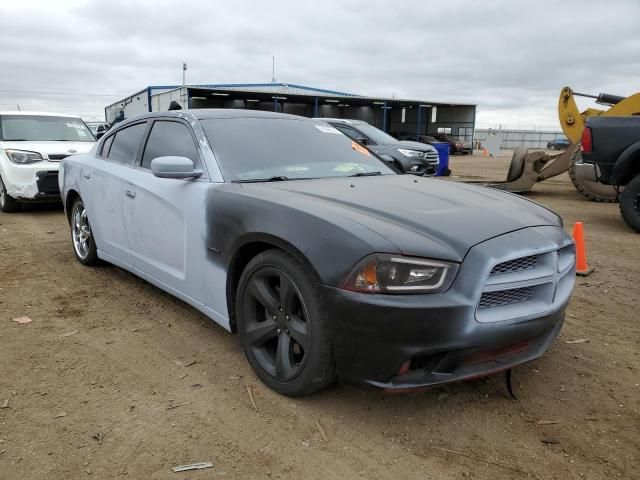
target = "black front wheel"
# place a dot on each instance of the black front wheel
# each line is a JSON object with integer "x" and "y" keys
{"x": 8, "y": 204}
{"x": 630, "y": 203}
{"x": 283, "y": 325}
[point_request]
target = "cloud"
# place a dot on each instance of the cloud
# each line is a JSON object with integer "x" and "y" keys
{"x": 510, "y": 58}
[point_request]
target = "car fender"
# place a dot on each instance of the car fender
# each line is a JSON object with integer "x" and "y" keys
{"x": 306, "y": 230}
{"x": 627, "y": 165}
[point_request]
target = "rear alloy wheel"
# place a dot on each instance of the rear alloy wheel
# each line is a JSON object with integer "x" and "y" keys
{"x": 630, "y": 204}
{"x": 283, "y": 325}
{"x": 83, "y": 244}
{"x": 7, "y": 203}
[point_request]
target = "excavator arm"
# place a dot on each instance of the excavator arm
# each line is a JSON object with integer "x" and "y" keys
{"x": 572, "y": 120}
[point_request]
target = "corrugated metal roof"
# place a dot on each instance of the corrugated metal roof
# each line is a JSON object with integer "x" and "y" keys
{"x": 279, "y": 88}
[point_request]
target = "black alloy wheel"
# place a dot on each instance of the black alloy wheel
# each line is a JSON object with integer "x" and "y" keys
{"x": 283, "y": 326}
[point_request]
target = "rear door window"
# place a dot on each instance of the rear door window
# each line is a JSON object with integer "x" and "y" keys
{"x": 169, "y": 138}
{"x": 125, "y": 145}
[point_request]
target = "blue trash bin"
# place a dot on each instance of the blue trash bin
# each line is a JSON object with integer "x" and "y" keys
{"x": 443, "y": 153}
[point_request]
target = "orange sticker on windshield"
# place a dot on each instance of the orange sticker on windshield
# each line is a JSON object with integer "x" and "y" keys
{"x": 359, "y": 148}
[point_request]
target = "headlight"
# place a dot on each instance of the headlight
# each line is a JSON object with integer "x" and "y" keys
{"x": 384, "y": 273}
{"x": 410, "y": 153}
{"x": 22, "y": 157}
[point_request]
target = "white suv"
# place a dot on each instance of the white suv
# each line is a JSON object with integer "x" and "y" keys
{"x": 32, "y": 144}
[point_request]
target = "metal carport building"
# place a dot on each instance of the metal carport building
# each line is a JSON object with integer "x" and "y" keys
{"x": 392, "y": 115}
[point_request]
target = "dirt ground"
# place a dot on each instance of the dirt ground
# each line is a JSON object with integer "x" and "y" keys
{"x": 87, "y": 388}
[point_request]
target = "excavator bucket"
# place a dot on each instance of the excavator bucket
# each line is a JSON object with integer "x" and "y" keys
{"x": 530, "y": 167}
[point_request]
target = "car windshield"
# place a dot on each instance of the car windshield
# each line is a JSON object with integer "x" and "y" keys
{"x": 249, "y": 149}
{"x": 375, "y": 134}
{"x": 44, "y": 128}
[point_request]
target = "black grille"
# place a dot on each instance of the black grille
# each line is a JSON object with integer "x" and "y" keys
{"x": 56, "y": 156}
{"x": 505, "y": 297}
{"x": 48, "y": 183}
{"x": 516, "y": 265}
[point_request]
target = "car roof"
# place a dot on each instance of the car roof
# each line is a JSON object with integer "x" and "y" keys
{"x": 206, "y": 113}
{"x": 37, "y": 114}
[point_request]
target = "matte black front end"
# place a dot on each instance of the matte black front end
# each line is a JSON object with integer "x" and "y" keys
{"x": 375, "y": 335}
{"x": 505, "y": 307}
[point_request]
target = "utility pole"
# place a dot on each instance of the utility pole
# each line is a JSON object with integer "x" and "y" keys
{"x": 273, "y": 69}
{"x": 183, "y": 89}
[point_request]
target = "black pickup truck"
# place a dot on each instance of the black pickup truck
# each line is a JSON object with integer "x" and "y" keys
{"x": 611, "y": 151}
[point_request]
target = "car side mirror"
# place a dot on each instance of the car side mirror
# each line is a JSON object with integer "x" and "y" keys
{"x": 174, "y": 167}
{"x": 362, "y": 140}
{"x": 99, "y": 135}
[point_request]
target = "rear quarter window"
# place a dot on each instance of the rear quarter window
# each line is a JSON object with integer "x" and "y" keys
{"x": 106, "y": 145}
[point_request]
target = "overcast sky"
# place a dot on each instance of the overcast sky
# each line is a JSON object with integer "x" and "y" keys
{"x": 511, "y": 58}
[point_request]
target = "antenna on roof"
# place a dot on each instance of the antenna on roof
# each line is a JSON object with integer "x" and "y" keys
{"x": 184, "y": 73}
{"x": 273, "y": 69}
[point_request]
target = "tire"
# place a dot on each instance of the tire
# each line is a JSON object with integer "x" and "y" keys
{"x": 8, "y": 204}
{"x": 594, "y": 191}
{"x": 630, "y": 203}
{"x": 276, "y": 296}
{"x": 84, "y": 245}
{"x": 516, "y": 167}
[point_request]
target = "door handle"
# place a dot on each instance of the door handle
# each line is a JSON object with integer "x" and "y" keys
{"x": 131, "y": 193}
{"x": 86, "y": 175}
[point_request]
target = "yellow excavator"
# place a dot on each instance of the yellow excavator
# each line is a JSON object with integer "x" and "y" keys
{"x": 529, "y": 167}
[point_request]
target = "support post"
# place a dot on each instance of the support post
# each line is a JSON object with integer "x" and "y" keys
{"x": 384, "y": 117}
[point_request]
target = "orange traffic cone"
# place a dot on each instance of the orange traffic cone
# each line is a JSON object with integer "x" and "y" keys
{"x": 582, "y": 268}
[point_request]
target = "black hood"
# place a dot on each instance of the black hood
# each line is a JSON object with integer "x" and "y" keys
{"x": 420, "y": 216}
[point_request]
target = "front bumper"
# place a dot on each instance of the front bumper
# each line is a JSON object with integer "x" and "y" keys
{"x": 444, "y": 337}
{"x": 35, "y": 182}
{"x": 422, "y": 167}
